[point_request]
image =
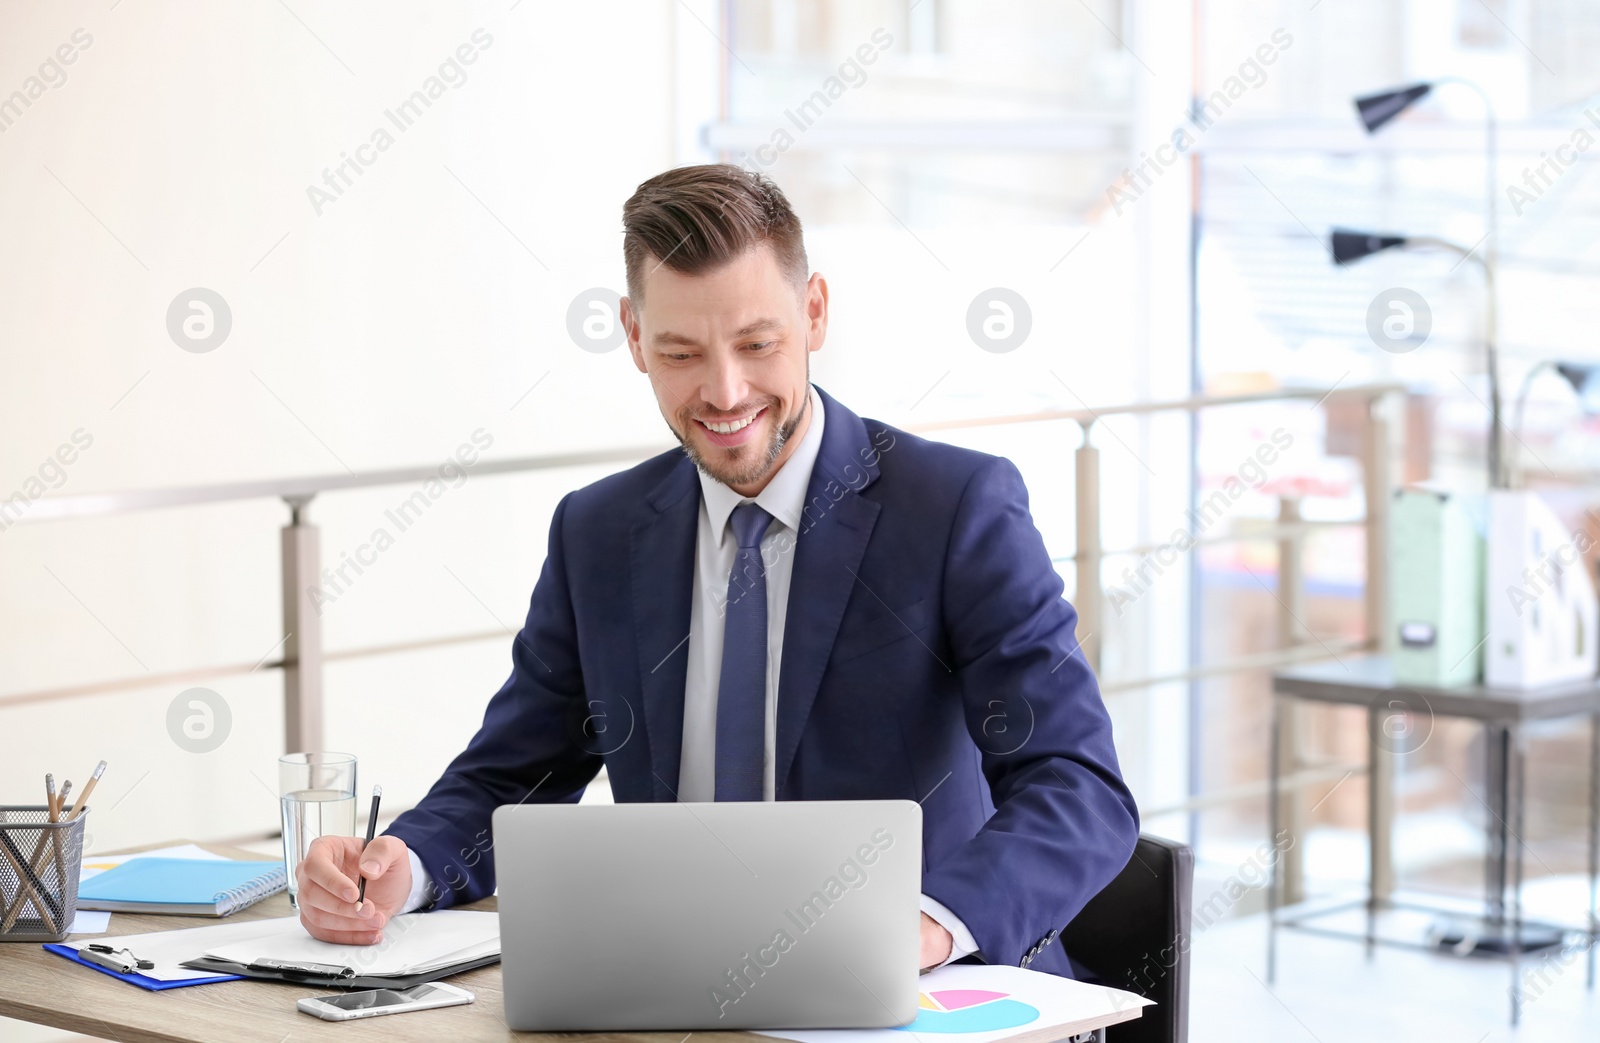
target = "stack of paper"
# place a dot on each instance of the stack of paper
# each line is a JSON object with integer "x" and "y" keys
{"x": 415, "y": 943}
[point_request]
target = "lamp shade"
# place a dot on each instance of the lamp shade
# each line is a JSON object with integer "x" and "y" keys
{"x": 1350, "y": 246}
{"x": 1585, "y": 381}
{"x": 1378, "y": 109}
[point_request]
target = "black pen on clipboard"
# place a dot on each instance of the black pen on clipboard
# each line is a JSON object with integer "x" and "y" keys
{"x": 372, "y": 828}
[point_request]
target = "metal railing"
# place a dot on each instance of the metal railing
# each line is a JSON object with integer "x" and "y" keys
{"x": 303, "y": 655}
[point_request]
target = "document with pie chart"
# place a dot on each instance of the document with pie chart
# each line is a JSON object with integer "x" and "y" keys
{"x": 965, "y": 1003}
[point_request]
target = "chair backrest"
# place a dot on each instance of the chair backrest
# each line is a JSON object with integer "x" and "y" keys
{"x": 1134, "y": 935}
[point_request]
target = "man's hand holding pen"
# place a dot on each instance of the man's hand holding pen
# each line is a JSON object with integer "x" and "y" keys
{"x": 329, "y": 881}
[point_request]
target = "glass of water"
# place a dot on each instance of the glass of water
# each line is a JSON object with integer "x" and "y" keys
{"x": 319, "y": 800}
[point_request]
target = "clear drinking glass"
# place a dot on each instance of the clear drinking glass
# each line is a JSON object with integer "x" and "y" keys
{"x": 319, "y": 800}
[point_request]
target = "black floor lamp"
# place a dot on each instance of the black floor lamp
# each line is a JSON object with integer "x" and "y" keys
{"x": 1349, "y": 246}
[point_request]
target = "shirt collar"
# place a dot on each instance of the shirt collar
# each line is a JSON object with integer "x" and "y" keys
{"x": 784, "y": 496}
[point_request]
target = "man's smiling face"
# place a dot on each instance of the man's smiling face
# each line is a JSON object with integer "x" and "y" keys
{"x": 728, "y": 354}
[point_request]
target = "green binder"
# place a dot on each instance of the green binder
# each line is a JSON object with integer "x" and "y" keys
{"x": 1436, "y": 563}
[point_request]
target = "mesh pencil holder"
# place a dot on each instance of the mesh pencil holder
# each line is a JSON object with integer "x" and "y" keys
{"x": 40, "y": 862}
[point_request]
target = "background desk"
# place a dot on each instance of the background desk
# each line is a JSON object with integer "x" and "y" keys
{"x": 1369, "y": 681}
{"x": 42, "y": 987}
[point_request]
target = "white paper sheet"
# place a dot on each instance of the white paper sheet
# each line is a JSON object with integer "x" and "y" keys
{"x": 967, "y": 1003}
{"x": 89, "y": 921}
{"x": 167, "y": 949}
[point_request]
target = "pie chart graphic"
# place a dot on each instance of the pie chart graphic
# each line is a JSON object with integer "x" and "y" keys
{"x": 969, "y": 1010}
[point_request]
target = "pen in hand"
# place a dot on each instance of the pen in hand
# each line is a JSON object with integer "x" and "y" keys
{"x": 372, "y": 828}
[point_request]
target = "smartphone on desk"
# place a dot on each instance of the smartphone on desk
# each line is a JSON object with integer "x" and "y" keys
{"x": 372, "y": 1002}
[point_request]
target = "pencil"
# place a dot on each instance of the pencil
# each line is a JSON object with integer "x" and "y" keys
{"x": 48, "y": 911}
{"x": 83, "y": 798}
{"x": 78, "y": 808}
{"x": 372, "y": 827}
{"x": 55, "y": 842}
{"x": 41, "y": 850}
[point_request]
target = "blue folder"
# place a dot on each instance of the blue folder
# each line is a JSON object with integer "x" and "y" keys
{"x": 152, "y": 984}
{"x": 181, "y": 885}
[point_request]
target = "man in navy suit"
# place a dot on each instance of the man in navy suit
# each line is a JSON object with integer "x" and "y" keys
{"x": 799, "y": 605}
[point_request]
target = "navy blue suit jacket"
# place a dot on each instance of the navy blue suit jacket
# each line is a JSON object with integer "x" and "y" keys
{"x": 928, "y": 654}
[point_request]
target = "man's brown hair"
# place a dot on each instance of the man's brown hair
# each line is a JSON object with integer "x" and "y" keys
{"x": 697, "y": 219}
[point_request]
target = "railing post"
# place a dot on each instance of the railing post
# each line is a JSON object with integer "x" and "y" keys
{"x": 1291, "y": 808}
{"x": 302, "y": 627}
{"x": 1089, "y": 596}
{"x": 1375, "y": 486}
{"x": 1380, "y": 777}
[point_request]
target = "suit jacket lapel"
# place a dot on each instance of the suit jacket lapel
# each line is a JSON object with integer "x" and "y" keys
{"x": 662, "y": 554}
{"x": 836, "y": 526}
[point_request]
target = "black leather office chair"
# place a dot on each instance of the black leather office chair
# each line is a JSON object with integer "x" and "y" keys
{"x": 1134, "y": 935}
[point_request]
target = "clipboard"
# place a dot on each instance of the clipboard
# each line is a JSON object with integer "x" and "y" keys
{"x": 135, "y": 978}
{"x": 426, "y": 947}
{"x": 326, "y": 975}
{"x": 418, "y": 948}
{"x": 165, "y": 949}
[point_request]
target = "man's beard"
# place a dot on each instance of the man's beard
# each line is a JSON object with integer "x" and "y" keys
{"x": 749, "y": 464}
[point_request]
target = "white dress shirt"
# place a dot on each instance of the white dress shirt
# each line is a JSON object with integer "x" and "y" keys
{"x": 783, "y": 497}
{"x": 714, "y": 550}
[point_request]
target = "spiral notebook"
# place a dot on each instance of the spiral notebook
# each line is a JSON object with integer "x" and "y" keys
{"x": 182, "y": 886}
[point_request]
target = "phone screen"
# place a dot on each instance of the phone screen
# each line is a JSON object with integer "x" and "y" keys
{"x": 380, "y": 998}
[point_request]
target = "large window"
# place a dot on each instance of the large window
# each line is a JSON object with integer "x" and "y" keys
{"x": 941, "y": 147}
{"x": 1293, "y": 164}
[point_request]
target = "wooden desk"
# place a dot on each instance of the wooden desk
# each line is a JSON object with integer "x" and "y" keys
{"x": 42, "y": 987}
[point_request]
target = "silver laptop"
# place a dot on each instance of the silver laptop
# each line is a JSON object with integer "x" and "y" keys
{"x": 793, "y": 914}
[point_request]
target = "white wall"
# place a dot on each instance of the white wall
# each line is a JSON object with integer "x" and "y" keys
{"x": 418, "y": 308}
{"x": 382, "y": 332}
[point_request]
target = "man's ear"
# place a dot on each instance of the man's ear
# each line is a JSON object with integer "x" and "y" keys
{"x": 816, "y": 310}
{"x": 630, "y": 325}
